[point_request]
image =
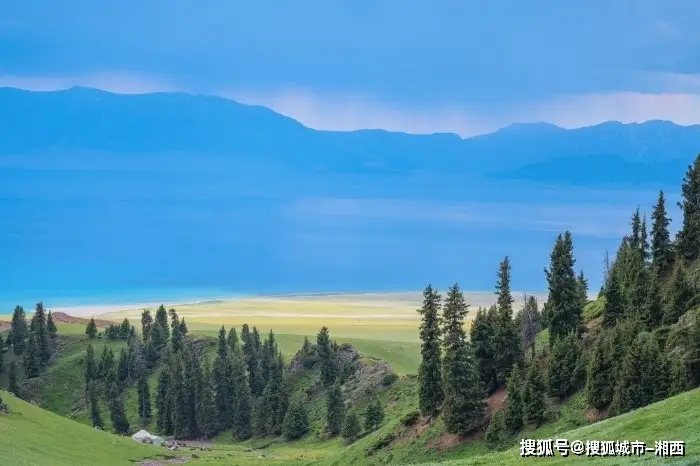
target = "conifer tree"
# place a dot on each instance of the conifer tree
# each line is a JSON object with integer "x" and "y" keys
{"x": 91, "y": 329}
{"x": 90, "y": 366}
{"x": 183, "y": 327}
{"x": 251, "y": 354}
{"x": 636, "y": 236}
{"x": 613, "y": 310}
{"x": 688, "y": 239}
{"x": 680, "y": 292}
{"x": 19, "y": 331}
{"x": 660, "y": 236}
{"x": 232, "y": 340}
{"x": 534, "y": 399}
{"x": 206, "y": 404}
{"x": 351, "y": 427}
{"x": 482, "y": 336}
{"x": 430, "y": 394}
{"x": 122, "y": 370}
{"x": 582, "y": 282}
{"x": 652, "y": 311}
{"x": 464, "y": 404}
{"x": 335, "y": 411}
{"x": 507, "y": 348}
{"x": 176, "y": 337}
{"x": 117, "y": 413}
{"x": 32, "y": 359}
{"x": 679, "y": 381}
{"x": 163, "y": 405}
{"x": 496, "y": 432}
{"x": 242, "y": 403}
{"x": 600, "y": 383}
{"x": 161, "y": 326}
{"x": 644, "y": 240}
{"x": 93, "y": 400}
{"x": 146, "y": 324}
{"x": 296, "y": 421}
{"x": 563, "y": 364}
{"x": 564, "y": 299}
{"x": 641, "y": 373}
{"x": 51, "y": 326}
{"x": 514, "y": 415}
{"x": 41, "y": 334}
{"x": 530, "y": 323}
{"x": 144, "y": 393}
{"x": 13, "y": 385}
{"x": 324, "y": 348}
{"x": 178, "y": 397}
{"x": 374, "y": 414}
{"x": 222, "y": 384}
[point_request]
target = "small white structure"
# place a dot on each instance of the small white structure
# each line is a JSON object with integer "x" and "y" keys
{"x": 143, "y": 436}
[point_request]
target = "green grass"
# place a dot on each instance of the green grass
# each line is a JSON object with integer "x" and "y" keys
{"x": 671, "y": 419}
{"x": 31, "y": 436}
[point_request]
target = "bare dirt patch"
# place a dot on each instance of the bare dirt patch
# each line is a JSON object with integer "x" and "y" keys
{"x": 593, "y": 415}
{"x": 180, "y": 460}
{"x": 5, "y": 325}
{"x": 63, "y": 318}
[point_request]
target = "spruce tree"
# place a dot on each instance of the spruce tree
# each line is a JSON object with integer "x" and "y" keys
{"x": 652, "y": 311}
{"x": 464, "y": 406}
{"x": 496, "y": 432}
{"x": 374, "y": 414}
{"x": 640, "y": 375}
{"x": 563, "y": 364}
{"x": 679, "y": 381}
{"x": 13, "y": 385}
{"x": 206, "y": 404}
{"x": 636, "y": 236}
{"x": 335, "y": 411}
{"x": 41, "y": 334}
{"x": 507, "y": 341}
{"x": 144, "y": 394}
{"x": 482, "y": 336}
{"x": 582, "y": 288}
{"x": 514, "y": 415}
{"x": 600, "y": 383}
{"x": 242, "y": 403}
{"x": 530, "y": 324}
{"x": 32, "y": 358}
{"x": 178, "y": 397}
{"x": 324, "y": 348}
{"x": 613, "y": 309}
{"x": 183, "y": 327}
{"x": 146, "y": 324}
{"x": 122, "y": 370}
{"x": 680, "y": 292}
{"x": 51, "y": 326}
{"x": 564, "y": 299}
{"x": 232, "y": 339}
{"x": 430, "y": 394}
{"x": 660, "y": 236}
{"x": 351, "y": 427}
{"x": 91, "y": 329}
{"x": 163, "y": 405}
{"x": 296, "y": 421}
{"x": 688, "y": 239}
{"x": 117, "y": 413}
{"x": 534, "y": 396}
{"x": 161, "y": 326}
{"x": 176, "y": 337}
{"x": 252, "y": 355}
{"x": 90, "y": 366}
{"x": 222, "y": 384}
{"x": 19, "y": 331}
{"x": 93, "y": 400}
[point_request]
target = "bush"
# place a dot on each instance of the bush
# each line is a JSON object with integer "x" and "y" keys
{"x": 389, "y": 379}
{"x": 410, "y": 419}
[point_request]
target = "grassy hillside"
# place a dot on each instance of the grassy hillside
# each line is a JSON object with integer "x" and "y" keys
{"x": 30, "y": 436}
{"x": 671, "y": 419}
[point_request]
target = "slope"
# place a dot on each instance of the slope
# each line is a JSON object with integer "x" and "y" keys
{"x": 671, "y": 419}
{"x": 30, "y": 435}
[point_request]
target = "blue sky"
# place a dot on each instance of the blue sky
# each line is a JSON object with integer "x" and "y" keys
{"x": 417, "y": 66}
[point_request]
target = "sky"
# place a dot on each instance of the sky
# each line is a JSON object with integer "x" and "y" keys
{"x": 457, "y": 66}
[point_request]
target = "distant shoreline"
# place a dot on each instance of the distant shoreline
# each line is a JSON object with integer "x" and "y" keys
{"x": 98, "y": 309}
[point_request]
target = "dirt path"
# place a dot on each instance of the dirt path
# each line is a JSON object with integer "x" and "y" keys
{"x": 163, "y": 462}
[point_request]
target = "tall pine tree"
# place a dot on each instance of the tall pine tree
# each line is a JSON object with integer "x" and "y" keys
{"x": 688, "y": 240}
{"x": 19, "y": 331}
{"x": 534, "y": 396}
{"x": 564, "y": 299}
{"x": 222, "y": 384}
{"x": 680, "y": 292}
{"x": 514, "y": 416}
{"x": 613, "y": 309}
{"x": 482, "y": 337}
{"x": 335, "y": 411}
{"x": 324, "y": 348}
{"x": 465, "y": 405}
{"x": 507, "y": 342}
{"x": 430, "y": 394}
{"x": 660, "y": 236}
{"x": 530, "y": 324}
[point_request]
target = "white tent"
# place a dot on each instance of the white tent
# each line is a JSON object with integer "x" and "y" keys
{"x": 143, "y": 436}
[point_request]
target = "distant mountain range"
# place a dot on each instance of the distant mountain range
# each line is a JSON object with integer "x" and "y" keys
{"x": 212, "y": 128}
{"x": 121, "y": 195}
